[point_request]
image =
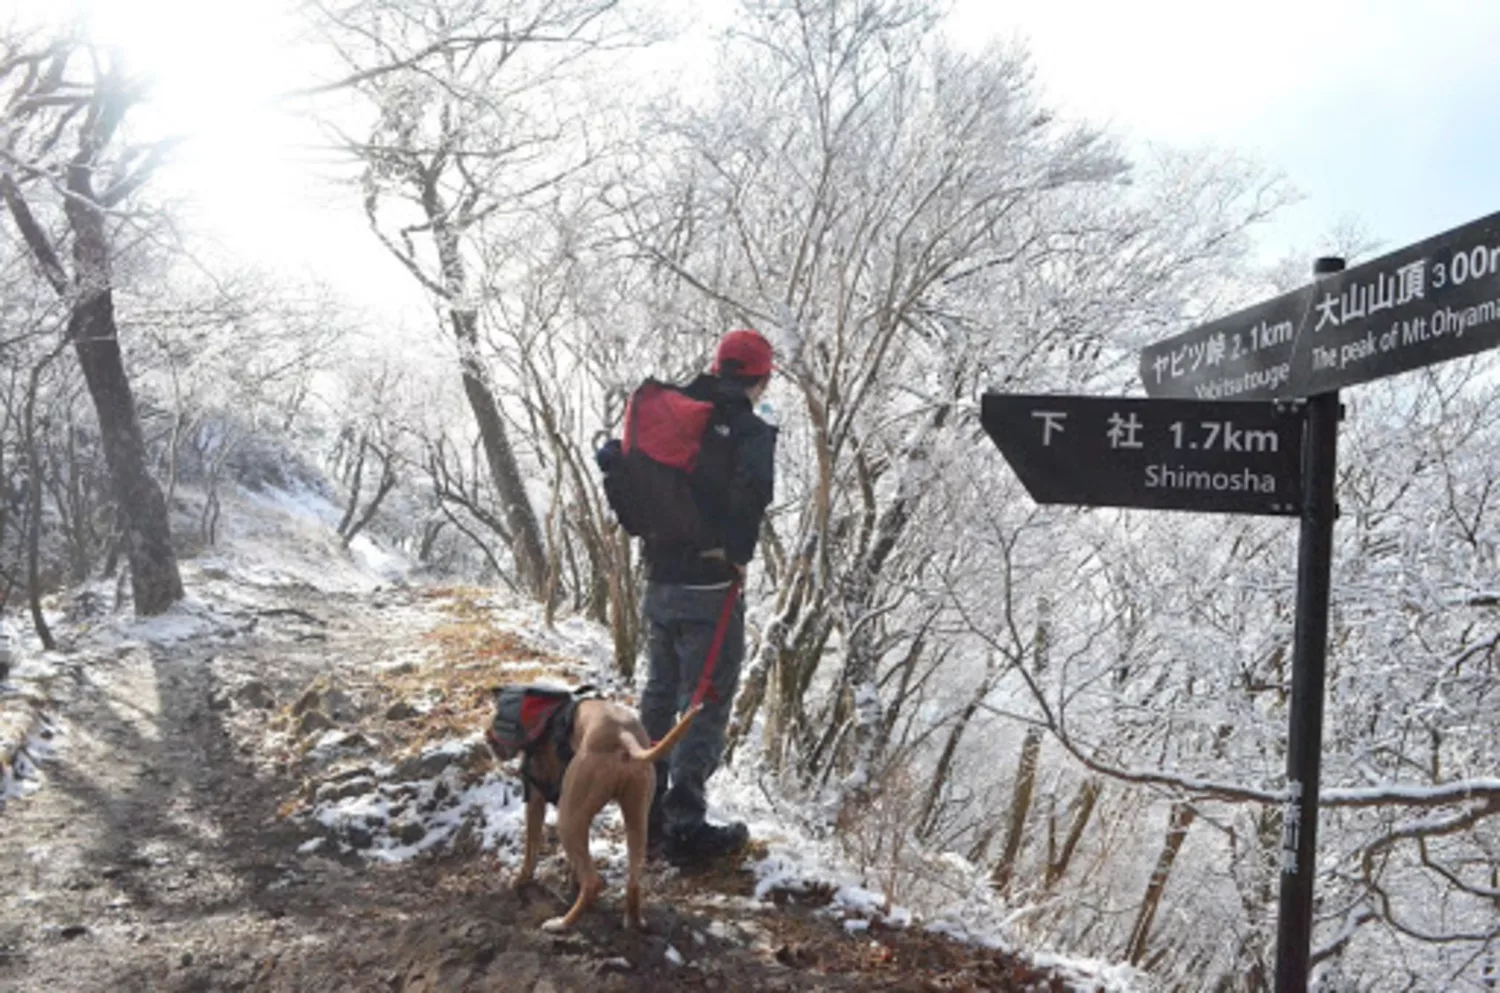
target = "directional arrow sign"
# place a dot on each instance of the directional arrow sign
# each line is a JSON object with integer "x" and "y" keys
{"x": 1435, "y": 300}
{"x": 1242, "y": 457}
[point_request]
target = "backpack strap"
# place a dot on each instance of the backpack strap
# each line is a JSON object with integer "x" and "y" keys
{"x": 562, "y": 721}
{"x": 551, "y": 792}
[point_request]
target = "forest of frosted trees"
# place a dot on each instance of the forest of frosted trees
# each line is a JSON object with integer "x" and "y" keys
{"x": 1085, "y": 710}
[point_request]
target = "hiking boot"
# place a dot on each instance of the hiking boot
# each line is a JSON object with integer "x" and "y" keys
{"x": 707, "y": 841}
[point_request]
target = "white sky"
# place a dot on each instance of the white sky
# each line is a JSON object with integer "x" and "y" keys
{"x": 1384, "y": 111}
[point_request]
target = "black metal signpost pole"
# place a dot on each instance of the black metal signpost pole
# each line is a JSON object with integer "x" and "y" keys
{"x": 1299, "y": 842}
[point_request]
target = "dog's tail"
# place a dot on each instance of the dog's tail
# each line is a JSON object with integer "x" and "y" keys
{"x": 659, "y": 751}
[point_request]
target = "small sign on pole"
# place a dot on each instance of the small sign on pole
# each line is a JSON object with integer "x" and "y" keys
{"x": 1242, "y": 458}
{"x": 1426, "y": 303}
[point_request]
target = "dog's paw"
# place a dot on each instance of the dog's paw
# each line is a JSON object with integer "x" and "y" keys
{"x": 555, "y": 925}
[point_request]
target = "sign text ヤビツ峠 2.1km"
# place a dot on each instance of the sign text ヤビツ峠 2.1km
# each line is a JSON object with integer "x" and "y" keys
{"x": 1240, "y": 457}
{"x": 1435, "y": 300}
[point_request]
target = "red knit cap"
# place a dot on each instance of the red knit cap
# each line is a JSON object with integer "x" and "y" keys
{"x": 749, "y": 349}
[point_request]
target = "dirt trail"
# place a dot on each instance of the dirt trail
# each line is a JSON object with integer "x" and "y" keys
{"x": 154, "y": 857}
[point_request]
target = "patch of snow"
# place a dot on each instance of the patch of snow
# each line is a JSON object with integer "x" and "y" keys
{"x": 959, "y": 931}
{"x": 26, "y": 777}
{"x": 384, "y": 563}
{"x": 1094, "y": 975}
{"x": 363, "y": 809}
{"x": 35, "y": 667}
{"x": 335, "y": 743}
{"x": 43, "y": 745}
{"x": 9, "y": 645}
{"x": 299, "y": 502}
{"x": 276, "y": 537}
{"x": 572, "y": 637}
{"x": 493, "y": 806}
{"x": 797, "y": 862}
{"x": 189, "y": 618}
{"x": 859, "y": 900}
{"x": 453, "y": 746}
{"x": 674, "y": 956}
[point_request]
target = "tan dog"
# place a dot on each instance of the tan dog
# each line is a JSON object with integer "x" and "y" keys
{"x": 613, "y": 759}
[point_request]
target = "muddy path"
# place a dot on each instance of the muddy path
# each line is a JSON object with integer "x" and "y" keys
{"x": 159, "y": 854}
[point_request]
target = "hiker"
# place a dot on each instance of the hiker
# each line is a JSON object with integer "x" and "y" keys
{"x": 694, "y": 582}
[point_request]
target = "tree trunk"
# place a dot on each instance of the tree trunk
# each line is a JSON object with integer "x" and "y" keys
{"x": 552, "y": 583}
{"x": 1057, "y": 865}
{"x": 927, "y": 820}
{"x": 154, "y": 580}
{"x": 383, "y": 489}
{"x": 142, "y": 510}
{"x": 505, "y": 471}
{"x": 868, "y": 742}
{"x": 34, "y": 515}
{"x": 505, "y": 474}
{"x": 756, "y": 675}
{"x": 624, "y": 614}
{"x": 1178, "y": 822}
{"x": 1031, "y": 747}
{"x": 430, "y": 534}
{"x": 1020, "y": 807}
{"x": 355, "y": 485}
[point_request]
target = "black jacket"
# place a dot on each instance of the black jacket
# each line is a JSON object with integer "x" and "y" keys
{"x": 734, "y": 483}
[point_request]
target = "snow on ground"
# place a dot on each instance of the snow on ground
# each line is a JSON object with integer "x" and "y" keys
{"x": 277, "y": 537}
{"x": 451, "y": 793}
{"x": 28, "y": 736}
{"x": 442, "y": 808}
{"x": 25, "y": 774}
{"x": 798, "y": 862}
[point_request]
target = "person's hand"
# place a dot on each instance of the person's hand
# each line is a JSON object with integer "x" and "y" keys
{"x": 608, "y": 455}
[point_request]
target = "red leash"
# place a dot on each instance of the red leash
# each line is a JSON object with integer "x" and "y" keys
{"x": 705, "y": 685}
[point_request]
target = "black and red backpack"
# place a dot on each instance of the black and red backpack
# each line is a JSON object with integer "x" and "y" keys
{"x": 672, "y": 461}
{"x": 529, "y": 716}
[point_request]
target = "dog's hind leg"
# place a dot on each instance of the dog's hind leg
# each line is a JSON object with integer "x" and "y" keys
{"x": 635, "y": 810}
{"x": 574, "y": 816}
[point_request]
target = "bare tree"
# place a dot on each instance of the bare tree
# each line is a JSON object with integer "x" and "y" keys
{"x": 467, "y": 125}
{"x": 52, "y": 93}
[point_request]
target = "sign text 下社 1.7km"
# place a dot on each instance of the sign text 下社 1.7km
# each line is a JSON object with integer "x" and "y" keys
{"x": 1435, "y": 300}
{"x": 1230, "y": 457}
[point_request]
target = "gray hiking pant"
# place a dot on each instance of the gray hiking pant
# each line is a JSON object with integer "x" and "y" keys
{"x": 681, "y": 622}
